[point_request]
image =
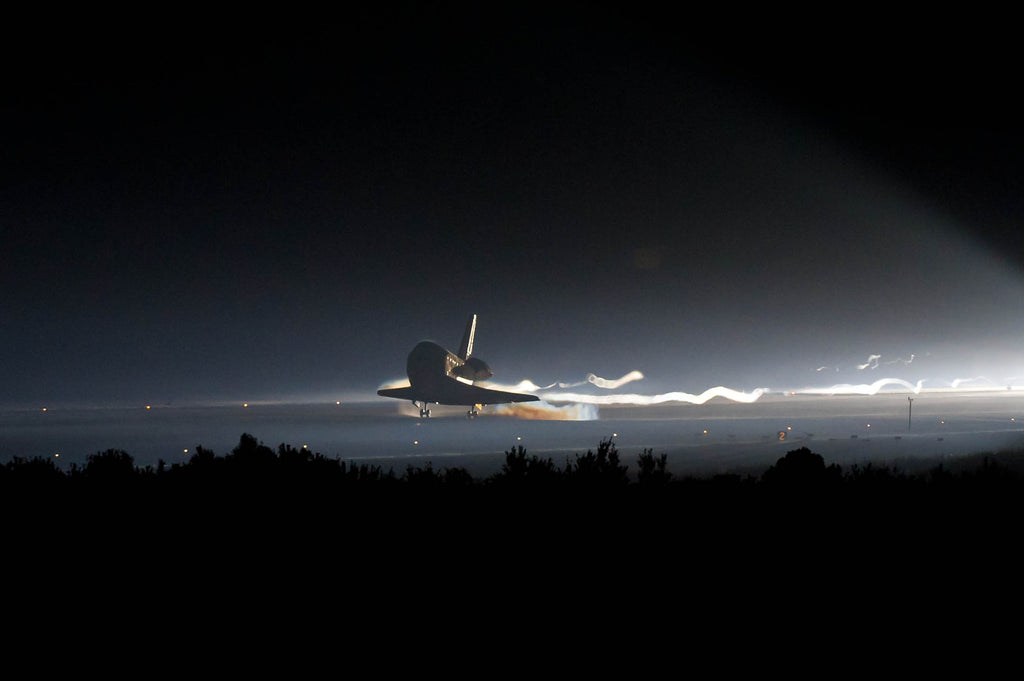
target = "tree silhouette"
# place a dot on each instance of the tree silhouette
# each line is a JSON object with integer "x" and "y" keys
{"x": 600, "y": 469}
{"x": 458, "y": 477}
{"x": 652, "y": 470}
{"x": 251, "y": 454}
{"x": 30, "y": 470}
{"x": 530, "y": 470}
{"x": 113, "y": 466}
{"x": 423, "y": 477}
{"x": 365, "y": 474}
{"x": 202, "y": 457}
{"x": 803, "y": 469}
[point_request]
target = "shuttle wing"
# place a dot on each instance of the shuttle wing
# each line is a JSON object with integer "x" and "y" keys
{"x": 450, "y": 391}
{"x": 456, "y": 392}
{"x": 405, "y": 393}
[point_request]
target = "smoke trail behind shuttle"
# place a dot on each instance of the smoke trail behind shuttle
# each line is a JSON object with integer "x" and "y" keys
{"x": 541, "y": 411}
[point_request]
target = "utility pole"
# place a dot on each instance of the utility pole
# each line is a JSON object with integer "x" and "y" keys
{"x": 910, "y": 410}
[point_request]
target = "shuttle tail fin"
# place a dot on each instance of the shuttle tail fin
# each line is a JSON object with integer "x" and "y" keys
{"x": 466, "y": 347}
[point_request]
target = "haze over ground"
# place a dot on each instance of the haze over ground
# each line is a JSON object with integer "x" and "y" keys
{"x": 196, "y": 211}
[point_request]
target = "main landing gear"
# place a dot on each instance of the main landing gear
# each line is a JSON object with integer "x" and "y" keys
{"x": 473, "y": 412}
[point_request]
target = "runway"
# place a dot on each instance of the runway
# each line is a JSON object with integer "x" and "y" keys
{"x": 717, "y": 437}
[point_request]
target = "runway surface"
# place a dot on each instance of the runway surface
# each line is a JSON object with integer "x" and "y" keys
{"x": 719, "y": 436}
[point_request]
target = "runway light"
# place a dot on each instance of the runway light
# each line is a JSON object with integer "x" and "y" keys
{"x": 338, "y": 402}
{"x": 245, "y": 404}
{"x": 789, "y": 427}
{"x": 44, "y": 408}
{"x": 147, "y": 406}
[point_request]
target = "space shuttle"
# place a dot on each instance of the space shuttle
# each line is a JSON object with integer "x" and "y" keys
{"x": 439, "y": 376}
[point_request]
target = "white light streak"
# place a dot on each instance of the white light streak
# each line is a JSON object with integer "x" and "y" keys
{"x": 608, "y": 384}
{"x": 959, "y": 381}
{"x": 642, "y": 400}
{"x": 612, "y": 385}
{"x": 899, "y": 360}
{"x": 872, "y": 363}
{"x": 863, "y": 388}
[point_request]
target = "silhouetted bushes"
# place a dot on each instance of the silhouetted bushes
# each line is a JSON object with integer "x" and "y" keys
{"x": 255, "y": 468}
{"x": 802, "y": 469}
{"x": 522, "y": 470}
{"x": 651, "y": 471}
{"x": 271, "y": 505}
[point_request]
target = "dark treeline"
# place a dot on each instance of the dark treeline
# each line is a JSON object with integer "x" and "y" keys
{"x": 252, "y": 464}
{"x": 258, "y": 506}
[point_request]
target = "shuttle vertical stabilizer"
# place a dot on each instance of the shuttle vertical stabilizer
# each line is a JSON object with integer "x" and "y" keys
{"x": 466, "y": 347}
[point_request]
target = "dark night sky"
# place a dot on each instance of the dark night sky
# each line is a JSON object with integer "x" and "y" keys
{"x": 283, "y": 208}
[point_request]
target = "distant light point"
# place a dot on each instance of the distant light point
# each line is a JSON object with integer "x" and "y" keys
{"x": 415, "y": 442}
{"x": 147, "y": 406}
{"x": 305, "y": 446}
{"x": 245, "y": 404}
{"x": 44, "y": 408}
{"x": 705, "y": 431}
{"x": 518, "y": 438}
{"x": 186, "y": 450}
{"x": 338, "y": 402}
{"x": 56, "y": 456}
{"x": 789, "y": 427}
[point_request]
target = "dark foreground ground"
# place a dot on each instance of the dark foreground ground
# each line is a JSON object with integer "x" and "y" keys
{"x": 290, "y": 547}
{"x": 293, "y": 493}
